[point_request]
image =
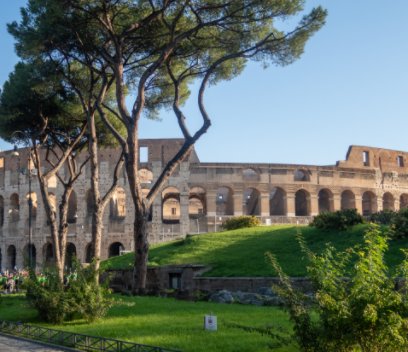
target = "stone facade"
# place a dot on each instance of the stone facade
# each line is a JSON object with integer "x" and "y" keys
{"x": 198, "y": 197}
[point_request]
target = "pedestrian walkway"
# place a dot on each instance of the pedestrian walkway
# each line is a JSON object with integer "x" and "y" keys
{"x": 10, "y": 344}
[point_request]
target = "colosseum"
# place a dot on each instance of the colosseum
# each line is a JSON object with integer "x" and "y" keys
{"x": 197, "y": 198}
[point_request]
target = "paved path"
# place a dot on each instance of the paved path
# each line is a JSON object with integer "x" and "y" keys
{"x": 10, "y": 344}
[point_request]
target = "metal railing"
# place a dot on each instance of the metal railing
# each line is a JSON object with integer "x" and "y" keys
{"x": 75, "y": 341}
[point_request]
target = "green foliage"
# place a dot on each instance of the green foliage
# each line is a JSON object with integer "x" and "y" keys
{"x": 361, "y": 313}
{"x": 240, "y": 222}
{"x": 399, "y": 224}
{"x": 383, "y": 217}
{"x": 80, "y": 297}
{"x": 338, "y": 220}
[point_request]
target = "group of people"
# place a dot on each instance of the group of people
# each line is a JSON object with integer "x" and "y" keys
{"x": 10, "y": 281}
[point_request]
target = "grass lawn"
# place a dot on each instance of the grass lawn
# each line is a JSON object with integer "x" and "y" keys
{"x": 170, "y": 323}
{"x": 241, "y": 252}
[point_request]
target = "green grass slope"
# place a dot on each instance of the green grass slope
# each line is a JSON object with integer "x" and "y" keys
{"x": 241, "y": 252}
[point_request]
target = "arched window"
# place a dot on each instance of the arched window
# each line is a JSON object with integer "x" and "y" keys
{"x": 277, "y": 202}
{"x": 14, "y": 211}
{"x": 388, "y": 201}
{"x": 348, "y": 200}
{"x": 325, "y": 199}
{"x": 115, "y": 249}
{"x": 252, "y": 202}
{"x": 197, "y": 202}
{"x": 11, "y": 257}
{"x": 302, "y": 203}
{"x": 30, "y": 256}
{"x": 250, "y": 175}
{"x": 369, "y": 201}
{"x": 301, "y": 175}
{"x": 48, "y": 254}
{"x": 404, "y": 201}
{"x": 224, "y": 201}
{"x": 72, "y": 215}
{"x": 70, "y": 254}
{"x": 88, "y": 253}
{"x": 1, "y": 211}
{"x": 146, "y": 176}
{"x": 171, "y": 205}
{"x": 90, "y": 205}
{"x": 118, "y": 205}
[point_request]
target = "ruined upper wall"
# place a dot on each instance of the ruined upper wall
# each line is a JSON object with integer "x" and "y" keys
{"x": 369, "y": 157}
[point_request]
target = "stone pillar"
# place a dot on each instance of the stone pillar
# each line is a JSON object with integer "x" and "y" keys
{"x": 184, "y": 218}
{"x": 265, "y": 204}
{"x": 314, "y": 205}
{"x": 397, "y": 205}
{"x": 157, "y": 219}
{"x": 211, "y": 198}
{"x": 336, "y": 202}
{"x": 290, "y": 204}
{"x": 379, "y": 203}
{"x": 238, "y": 201}
{"x": 359, "y": 203}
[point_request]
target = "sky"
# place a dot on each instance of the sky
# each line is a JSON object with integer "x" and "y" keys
{"x": 349, "y": 87}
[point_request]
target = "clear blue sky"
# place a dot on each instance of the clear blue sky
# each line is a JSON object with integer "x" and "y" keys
{"x": 350, "y": 87}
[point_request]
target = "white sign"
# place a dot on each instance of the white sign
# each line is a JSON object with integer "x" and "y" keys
{"x": 210, "y": 322}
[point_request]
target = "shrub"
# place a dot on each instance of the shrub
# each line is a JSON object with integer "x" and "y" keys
{"x": 384, "y": 217}
{"x": 361, "y": 313}
{"x": 80, "y": 297}
{"x": 240, "y": 222}
{"x": 338, "y": 220}
{"x": 399, "y": 224}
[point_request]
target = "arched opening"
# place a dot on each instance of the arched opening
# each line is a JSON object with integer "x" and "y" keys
{"x": 197, "y": 202}
{"x": 115, "y": 249}
{"x": 34, "y": 203}
{"x": 250, "y": 175}
{"x": 369, "y": 202}
{"x": 1, "y": 211}
{"x": 171, "y": 205}
{"x": 325, "y": 200}
{"x": 88, "y": 253}
{"x": 90, "y": 204}
{"x": 252, "y": 202}
{"x": 404, "y": 201}
{"x": 14, "y": 212}
{"x": 224, "y": 201}
{"x": 72, "y": 215}
{"x": 118, "y": 205}
{"x": 348, "y": 200}
{"x": 145, "y": 176}
{"x": 277, "y": 202}
{"x": 48, "y": 254}
{"x": 70, "y": 254}
{"x": 302, "y": 203}
{"x": 11, "y": 257}
{"x": 301, "y": 175}
{"x": 388, "y": 201}
{"x": 30, "y": 256}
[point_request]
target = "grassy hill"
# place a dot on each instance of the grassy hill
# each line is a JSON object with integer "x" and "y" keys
{"x": 241, "y": 252}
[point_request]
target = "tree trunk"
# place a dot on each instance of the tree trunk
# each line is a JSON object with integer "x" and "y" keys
{"x": 141, "y": 253}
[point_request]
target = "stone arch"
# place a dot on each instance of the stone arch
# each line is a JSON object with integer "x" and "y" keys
{"x": 197, "y": 206}
{"x": 403, "y": 201}
{"x": 301, "y": 175}
{"x": 72, "y": 215}
{"x": 70, "y": 254}
{"x": 11, "y": 257}
{"x": 88, "y": 253}
{"x": 250, "y": 175}
{"x": 369, "y": 203}
{"x": 30, "y": 256}
{"x": 325, "y": 200}
{"x": 302, "y": 203}
{"x": 115, "y": 248}
{"x": 224, "y": 201}
{"x": 388, "y": 201}
{"x": 348, "y": 200}
{"x": 48, "y": 254}
{"x": 14, "y": 211}
{"x": 1, "y": 211}
{"x": 34, "y": 203}
{"x": 252, "y": 202}
{"x": 118, "y": 205}
{"x": 145, "y": 176}
{"x": 171, "y": 209}
{"x": 277, "y": 201}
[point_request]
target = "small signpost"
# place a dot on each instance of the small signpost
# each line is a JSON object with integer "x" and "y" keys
{"x": 210, "y": 322}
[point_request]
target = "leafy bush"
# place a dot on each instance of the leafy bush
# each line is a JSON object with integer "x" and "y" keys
{"x": 361, "y": 313}
{"x": 338, "y": 220}
{"x": 240, "y": 222}
{"x": 384, "y": 217}
{"x": 399, "y": 224}
{"x": 80, "y": 297}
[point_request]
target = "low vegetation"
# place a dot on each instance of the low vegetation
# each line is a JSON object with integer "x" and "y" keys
{"x": 241, "y": 252}
{"x": 241, "y": 222}
{"x": 337, "y": 220}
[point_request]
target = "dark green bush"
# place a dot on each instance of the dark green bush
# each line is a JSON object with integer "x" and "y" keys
{"x": 383, "y": 217}
{"x": 338, "y": 220}
{"x": 399, "y": 224}
{"x": 79, "y": 297}
{"x": 240, "y": 222}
